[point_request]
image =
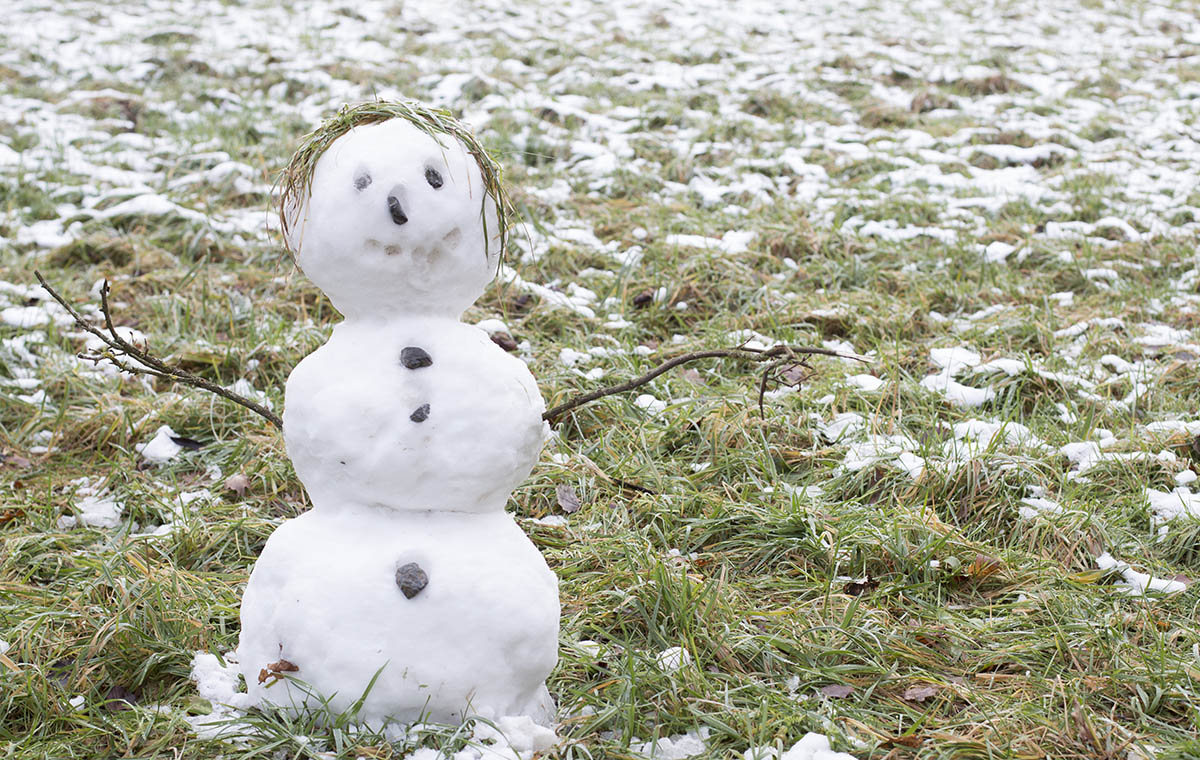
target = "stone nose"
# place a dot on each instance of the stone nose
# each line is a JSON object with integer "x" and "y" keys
{"x": 396, "y": 209}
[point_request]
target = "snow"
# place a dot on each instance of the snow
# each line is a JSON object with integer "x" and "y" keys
{"x": 732, "y": 242}
{"x": 1034, "y": 506}
{"x": 677, "y": 747}
{"x": 812, "y": 746}
{"x": 162, "y": 447}
{"x": 1166, "y": 506}
{"x": 868, "y": 383}
{"x": 93, "y": 505}
{"x": 482, "y": 635}
{"x": 672, "y": 659}
{"x": 842, "y": 425}
{"x": 1135, "y": 583}
{"x": 352, "y": 438}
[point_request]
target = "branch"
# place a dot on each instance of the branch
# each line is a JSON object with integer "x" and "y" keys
{"x": 776, "y": 355}
{"x": 151, "y": 365}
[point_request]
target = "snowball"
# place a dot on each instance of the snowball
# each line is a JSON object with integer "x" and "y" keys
{"x": 162, "y": 447}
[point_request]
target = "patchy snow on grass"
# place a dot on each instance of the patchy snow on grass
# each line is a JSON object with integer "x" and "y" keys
{"x": 1135, "y": 583}
{"x": 812, "y": 746}
{"x": 93, "y": 506}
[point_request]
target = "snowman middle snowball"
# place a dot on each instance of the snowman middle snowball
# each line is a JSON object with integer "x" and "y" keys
{"x": 409, "y": 429}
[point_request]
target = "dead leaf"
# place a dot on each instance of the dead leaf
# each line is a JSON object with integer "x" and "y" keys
{"x": 645, "y": 298}
{"x": 283, "y": 666}
{"x": 904, "y": 741}
{"x": 10, "y": 514}
{"x": 15, "y": 461}
{"x": 793, "y": 374}
{"x": 920, "y": 692}
{"x": 983, "y": 566}
{"x": 237, "y": 483}
{"x": 692, "y": 376}
{"x": 837, "y": 690}
{"x": 568, "y": 500}
{"x": 505, "y": 341}
{"x": 860, "y": 586}
{"x": 274, "y": 670}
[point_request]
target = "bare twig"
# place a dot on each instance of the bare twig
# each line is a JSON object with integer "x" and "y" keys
{"x": 776, "y": 355}
{"x": 119, "y": 349}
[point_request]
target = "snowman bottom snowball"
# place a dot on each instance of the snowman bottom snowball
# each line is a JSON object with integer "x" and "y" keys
{"x": 433, "y": 616}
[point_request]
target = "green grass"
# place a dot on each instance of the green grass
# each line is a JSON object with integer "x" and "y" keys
{"x": 881, "y": 584}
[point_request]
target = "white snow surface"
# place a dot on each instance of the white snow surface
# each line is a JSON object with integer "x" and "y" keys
{"x": 673, "y": 658}
{"x": 160, "y": 448}
{"x": 480, "y": 638}
{"x": 812, "y": 746}
{"x": 348, "y": 418}
{"x": 1135, "y": 583}
{"x": 349, "y": 238}
{"x": 93, "y": 505}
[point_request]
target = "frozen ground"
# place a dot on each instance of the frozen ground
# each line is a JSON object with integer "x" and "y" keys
{"x": 984, "y": 541}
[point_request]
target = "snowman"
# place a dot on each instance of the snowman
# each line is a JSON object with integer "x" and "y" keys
{"x": 406, "y": 593}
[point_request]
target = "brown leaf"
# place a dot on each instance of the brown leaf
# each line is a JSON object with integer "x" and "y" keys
{"x": 273, "y": 670}
{"x": 904, "y": 741}
{"x": 505, "y": 341}
{"x": 983, "y": 566}
{"x": 237, "y": 483}
{"x": 645, "y": 298}
{"x": 919, "y": 692}
{"x": 10, "y": 514}
{"x": 15, "y": 461}
{"x": 568, "y": 500}
{"x": 793, "y": 374}
{"x": 837, "y": 690}
{"x": 283, "y": 666}
{"x": 855, "y": 588}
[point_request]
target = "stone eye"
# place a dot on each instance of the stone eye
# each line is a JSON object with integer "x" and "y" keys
{"x": 433, "y": 178}
{"x": 362, "y": 180}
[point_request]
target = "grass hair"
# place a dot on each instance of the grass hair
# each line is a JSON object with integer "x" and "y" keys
{"x": 295, "y": 181}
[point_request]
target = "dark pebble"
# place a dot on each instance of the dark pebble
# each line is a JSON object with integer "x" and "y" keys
{"x": 421, "y": 414}
{"x": 413, "y": 357}
{"x": 411, "y": 579}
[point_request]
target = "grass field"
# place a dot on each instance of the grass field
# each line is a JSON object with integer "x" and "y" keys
{"x": 941, "y": 553}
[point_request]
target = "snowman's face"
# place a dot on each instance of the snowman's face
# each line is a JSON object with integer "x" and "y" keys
{"x": 397, "y": 222}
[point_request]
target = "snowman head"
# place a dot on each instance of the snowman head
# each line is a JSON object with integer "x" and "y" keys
{"x": 393, "y": 208}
